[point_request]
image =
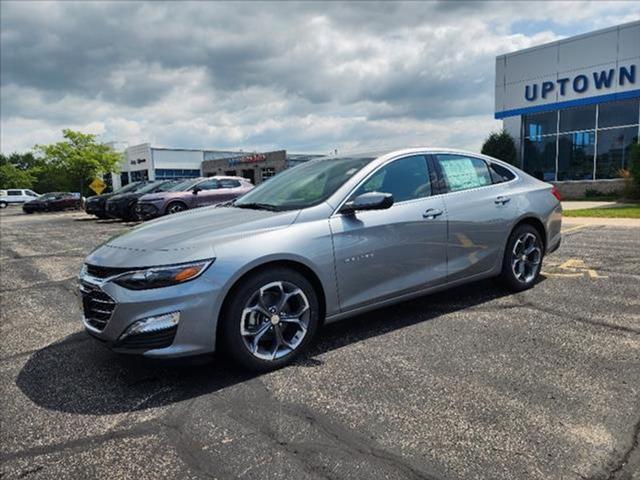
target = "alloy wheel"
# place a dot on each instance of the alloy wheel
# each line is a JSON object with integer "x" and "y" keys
{"x": 526, "y": 257}
{"x": 275, "y": 320}
{"x": 175, "y": 208}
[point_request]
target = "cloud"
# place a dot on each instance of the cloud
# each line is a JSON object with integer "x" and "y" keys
{"x": 303, "y": 76}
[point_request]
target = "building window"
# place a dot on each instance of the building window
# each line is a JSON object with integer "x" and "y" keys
{"x": 139, "y": 176}
{"x": 124, "y": 178}
{"x": 268, "y": 172}
{"x": 175, "y": 173}
{"x": 540, "y": 124}
{"x": 575, "y": 155}
{"x": 540, "y": 157}
{"x": 614, "y": 145}
{"x": 618, "y": 114}
{"x": 576, "y": 119}
{"x": 591, "y": 142}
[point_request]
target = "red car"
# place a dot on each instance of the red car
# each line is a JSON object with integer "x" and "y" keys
{"x": 192, "y": 193}
{"x": 54, "y": 201}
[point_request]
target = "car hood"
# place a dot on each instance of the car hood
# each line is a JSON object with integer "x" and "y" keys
{"x": 100, "y": 198}
{"x": 185, "y": 237}
{"x": 124, "y": 196}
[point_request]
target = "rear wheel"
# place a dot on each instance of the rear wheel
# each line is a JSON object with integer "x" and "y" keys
{"x": 522, "y": 258}
{"x": 175, "y": 207}
{"x": 270, "y": 319}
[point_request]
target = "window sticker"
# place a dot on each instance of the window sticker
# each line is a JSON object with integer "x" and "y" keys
{"x": 461, "y": 173}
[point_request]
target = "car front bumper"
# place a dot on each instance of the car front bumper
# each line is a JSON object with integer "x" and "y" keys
{"x": 116, "y": 209}
{"x": 196, "y": 303}
{"x": 146, "y": 211}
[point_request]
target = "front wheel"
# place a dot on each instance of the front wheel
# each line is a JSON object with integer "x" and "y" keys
{"x": 522, "y": 258}
{"x": 270, "y": 319}
{"x": 3, "y": 204}
{"x": 176, "y": 207}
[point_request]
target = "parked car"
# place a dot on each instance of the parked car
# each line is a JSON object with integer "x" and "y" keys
{"x": 322, "y": 241}
{"x": 16, "y": 196}
{"x": 192, "y": 193}
{"x": 123, "y": 205}
{"x": 96, "y": 205}
{"x": 51, "y": 202}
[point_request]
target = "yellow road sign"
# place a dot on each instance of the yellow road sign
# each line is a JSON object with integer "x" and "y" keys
{"x": 97, "y": 186}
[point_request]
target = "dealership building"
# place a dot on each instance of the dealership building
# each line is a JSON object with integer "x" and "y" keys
{"x": 144, "y": 162}
{"x": 573, "y": 107}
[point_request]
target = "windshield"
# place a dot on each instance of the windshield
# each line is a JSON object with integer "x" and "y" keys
{"x": 155, "y": 186}
{"x": 128, "y": 188}
{"x": 49, "y": 196}
{"x": 303, "y": 186}
{"x": 184, "y": 185}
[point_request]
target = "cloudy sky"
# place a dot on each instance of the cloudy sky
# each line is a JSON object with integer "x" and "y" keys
{"x": 308, "y": 77}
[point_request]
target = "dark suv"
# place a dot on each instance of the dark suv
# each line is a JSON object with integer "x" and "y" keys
{"x": 123, "y": 205}
{"x": 96, "y": 205}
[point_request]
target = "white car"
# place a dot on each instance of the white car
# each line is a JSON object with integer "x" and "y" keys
{"x": 16, "y": 195}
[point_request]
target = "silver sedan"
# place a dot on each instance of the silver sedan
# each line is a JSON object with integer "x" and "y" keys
{"x": 320, "y": 242}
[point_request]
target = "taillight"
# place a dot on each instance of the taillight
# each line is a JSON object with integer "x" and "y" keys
{"x": 556, "y": 193}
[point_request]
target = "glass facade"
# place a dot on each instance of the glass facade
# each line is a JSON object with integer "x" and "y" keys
{"x": 175, "y": 173}
{"x": 581, "y": 143}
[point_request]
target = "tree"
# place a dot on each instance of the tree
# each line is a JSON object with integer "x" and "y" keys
{"x": 13, "y": 177}
{"x": 501, "y": 145}
{"x": 78, "y": 158}
{"x": 634, "y": 170}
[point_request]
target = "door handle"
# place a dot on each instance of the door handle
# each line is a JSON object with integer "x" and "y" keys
{"x": 502, "y": 200}
{"x": 431, "y": 213}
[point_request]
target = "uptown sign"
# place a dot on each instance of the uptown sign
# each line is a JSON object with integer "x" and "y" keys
{"x": 582, "y": 83}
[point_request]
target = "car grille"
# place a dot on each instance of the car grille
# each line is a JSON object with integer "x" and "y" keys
{"x": 97, "y": 306}
{"x": 104, "y": 272}
{"x": 149, "y": 340}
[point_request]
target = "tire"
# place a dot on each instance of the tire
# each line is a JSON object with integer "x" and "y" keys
{"x": 175, "y": 207}
{"x": 3, "y": 204}
{"x": 250, "y": 337}
{"x": 520, "y": 269}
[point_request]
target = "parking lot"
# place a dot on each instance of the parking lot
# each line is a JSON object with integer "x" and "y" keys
{"x": 473, "y": 383}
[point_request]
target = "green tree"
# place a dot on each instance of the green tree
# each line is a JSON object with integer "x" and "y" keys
{"x": 501, "y": 145}
{"x": 13, "y": 177}
{"x": 634, "y": 170}
{"x": 77, "y": 159}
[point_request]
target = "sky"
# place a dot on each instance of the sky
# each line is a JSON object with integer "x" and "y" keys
{"x": 308, "y": 77}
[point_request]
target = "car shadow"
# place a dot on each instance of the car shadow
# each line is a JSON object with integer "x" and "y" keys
{"x": 79, "y": 375}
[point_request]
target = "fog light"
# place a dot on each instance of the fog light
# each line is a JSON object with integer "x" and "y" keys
{"x": 152, "y": 324}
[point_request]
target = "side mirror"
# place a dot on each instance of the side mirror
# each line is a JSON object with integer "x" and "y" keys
{"x": 368, "y": 201}
{"x": 195, "y": 190}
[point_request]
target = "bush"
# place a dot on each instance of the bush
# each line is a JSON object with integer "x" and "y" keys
{"x": 632, "y": 180}
{"x": 501, "y": 145}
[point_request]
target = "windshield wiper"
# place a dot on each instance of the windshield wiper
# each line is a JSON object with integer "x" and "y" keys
{"x": 257, "y": 206}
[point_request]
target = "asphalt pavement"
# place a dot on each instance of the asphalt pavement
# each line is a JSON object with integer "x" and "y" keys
{"x": 473, "y": 383}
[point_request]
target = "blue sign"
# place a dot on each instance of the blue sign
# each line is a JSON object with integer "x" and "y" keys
{"x": 603, "y": 79}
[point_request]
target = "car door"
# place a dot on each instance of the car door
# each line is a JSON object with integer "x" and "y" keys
{"x": 207, "y": 192}
{"x": 229, "y": 189}
{"x": 381, "y": 254}
{"x": 480, "y": 213}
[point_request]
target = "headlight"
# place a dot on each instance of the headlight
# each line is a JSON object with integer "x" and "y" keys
{"x": 157, "y": 277}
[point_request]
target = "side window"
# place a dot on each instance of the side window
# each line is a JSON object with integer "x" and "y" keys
{"x": 228, "y": 183}
{"x": 208, "y": 185}
{"x": 405, "y": 179}
{"x": 500, "y": 174}
{"x": 14, "y": 193}
{"x": 31, "y": 193}
{"x": 463, "y": 173}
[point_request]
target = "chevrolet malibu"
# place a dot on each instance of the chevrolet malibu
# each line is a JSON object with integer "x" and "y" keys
{"x": 323, "y": 241}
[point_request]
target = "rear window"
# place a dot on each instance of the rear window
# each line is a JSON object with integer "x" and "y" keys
{"x": 500, "y": 174}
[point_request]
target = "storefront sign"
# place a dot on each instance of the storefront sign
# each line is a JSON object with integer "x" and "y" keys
{"x": 600, "y": 80}
{"x": 255, "y": 158}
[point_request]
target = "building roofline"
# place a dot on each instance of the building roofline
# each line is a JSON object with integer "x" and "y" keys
{"x": 570, "y": 39}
